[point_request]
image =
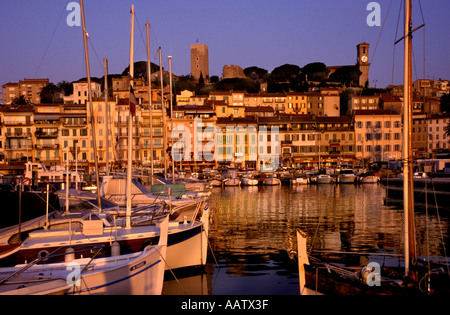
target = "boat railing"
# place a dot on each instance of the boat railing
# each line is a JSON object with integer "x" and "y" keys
{"x": 54, "y": 254}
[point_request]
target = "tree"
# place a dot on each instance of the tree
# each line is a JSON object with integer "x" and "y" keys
{"x": 285, "y": 73}
{"x": 316, "y": 71}
{"x": 20, "y": 100}
{"x": 255, "y": 73}
{"x": 347, "y": 75}
{"x": 66, "y": 87}
{"x": 51, "y": 94}
{"x": 140, "y": 69}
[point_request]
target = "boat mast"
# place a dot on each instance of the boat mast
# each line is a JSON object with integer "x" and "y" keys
{"x": 105, "y": 61}
{"x": 408, "y": 197}
{"x": 149, "y": 76}
{"x": 130, "y": 127}
{"x": 171, "y": 117}
{"x": 88, "y": 73}
{"x": 163, "y": 108}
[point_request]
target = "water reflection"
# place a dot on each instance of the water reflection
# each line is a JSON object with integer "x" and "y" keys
{"x": 254, "y": 230}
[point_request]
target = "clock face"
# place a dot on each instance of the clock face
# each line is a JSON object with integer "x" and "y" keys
{"x": 364, "y": 58}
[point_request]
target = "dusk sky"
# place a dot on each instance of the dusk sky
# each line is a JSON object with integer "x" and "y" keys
{"x": 38, "y": 43}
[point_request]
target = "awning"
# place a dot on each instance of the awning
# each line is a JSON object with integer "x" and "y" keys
{"x": 46, "y": 117}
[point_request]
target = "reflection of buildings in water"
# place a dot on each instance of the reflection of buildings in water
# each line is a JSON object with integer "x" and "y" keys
{"x": 431, "y": 241}
{"x": 264, "y": 219}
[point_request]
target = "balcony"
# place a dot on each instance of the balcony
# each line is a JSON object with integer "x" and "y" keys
{"x": 46, "y": 147}
{"x": 46, "y": 134}
{"x": 18, "y": 147}
{"x": 18, "y": 134}
{"x": 17, "y": 123}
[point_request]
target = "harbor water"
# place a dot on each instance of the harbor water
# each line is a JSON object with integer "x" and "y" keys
{"x": 253, "y": 234}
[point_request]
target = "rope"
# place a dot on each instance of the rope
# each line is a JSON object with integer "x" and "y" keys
{"x": 381, "y": 32}
{"x": 395, "y": 40}
{"x": 51, "y": 38}
{"x": 171, "y": 271}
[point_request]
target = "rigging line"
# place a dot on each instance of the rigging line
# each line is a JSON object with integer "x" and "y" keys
{"x": 51, "y": 39}
{"x": 142, "y": 36}
{"x": 381, "y": 32}
{"x": 395, "y": 39}
{"x": 96, "y": 55}
{"x": 424, "y": 39}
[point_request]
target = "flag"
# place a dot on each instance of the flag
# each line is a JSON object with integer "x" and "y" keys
{"x": 132, "y": 102}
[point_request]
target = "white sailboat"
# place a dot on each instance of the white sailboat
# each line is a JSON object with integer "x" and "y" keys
{"x": 139, "y": 273}
{"x": 413, "y": 278}
{"x": 187, "y": 240}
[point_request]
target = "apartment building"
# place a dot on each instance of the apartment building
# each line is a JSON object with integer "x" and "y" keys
{"x": 18, "y": 130}
{"x": 193, "y": 137}
{"x": 437, "y": 138}
{"x": 378, "y": 135}
{"x": 80, "y": 92}
{"x": 363, "y": 102}
{"x": 28, "y": 88}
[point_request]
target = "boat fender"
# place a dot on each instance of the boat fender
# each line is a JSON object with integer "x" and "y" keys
{"x": 70, "y": 255}
{"x": 115, "y": 249}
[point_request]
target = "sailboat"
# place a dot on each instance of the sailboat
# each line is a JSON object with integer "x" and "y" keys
{"x": 138, "y": 273}
{"x": 319, "y": 276}
{"x": 187, "y": 239}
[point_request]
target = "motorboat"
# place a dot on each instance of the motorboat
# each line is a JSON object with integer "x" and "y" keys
{"x": 346, "y": 176}
{"x": 231, "y": 182}
{"x": 368, "y": 178}
{"x": 248, "y": 181}
{"x": 323, "y": 179}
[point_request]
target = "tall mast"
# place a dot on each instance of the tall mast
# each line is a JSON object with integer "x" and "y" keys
{"x": 130, "y": 127}
{"x": 105, "y": 61}
{"x": 163, "y": 108}
{"x": 171, "y": 116}
{"x": 408, "y": 200}
{"x": 91, "y": 108}
{"x": 149, "y": 76}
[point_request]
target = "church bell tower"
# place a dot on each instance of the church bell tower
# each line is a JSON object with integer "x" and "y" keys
{"x": 362, "y": 63}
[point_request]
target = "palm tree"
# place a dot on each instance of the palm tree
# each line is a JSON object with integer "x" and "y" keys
{"x": 20, "y": 100}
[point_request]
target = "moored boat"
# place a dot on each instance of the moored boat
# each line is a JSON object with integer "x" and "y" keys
{"x": 188, "y": 236}
{"x": 248, "y": 181}
{"x": 346, "y": 176}
{"x": 323, "y": 179}
{"x": 271, "y": 180}
{"x": 139, "y": 273}
{"x": 368, "y": 178}
{"x": 231, "y": 182}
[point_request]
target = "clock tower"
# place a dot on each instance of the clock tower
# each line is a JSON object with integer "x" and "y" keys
{"x": 362, "y": 63}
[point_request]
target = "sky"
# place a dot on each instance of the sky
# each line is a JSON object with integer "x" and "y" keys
{"x": 37, "y": 41}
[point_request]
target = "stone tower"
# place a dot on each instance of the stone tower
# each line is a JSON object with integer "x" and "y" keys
{"x": 200, "y": 61}
{"x": 362, "y": 63}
